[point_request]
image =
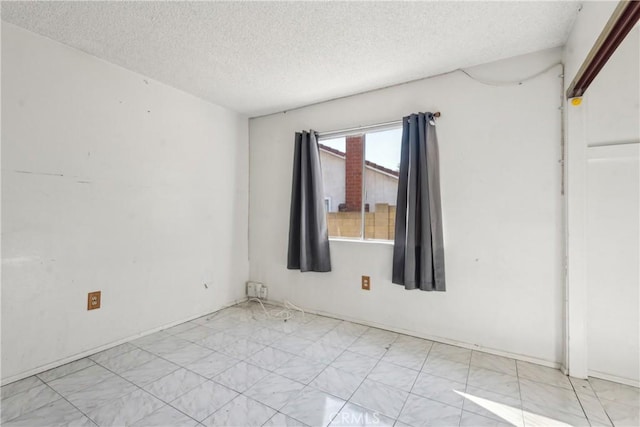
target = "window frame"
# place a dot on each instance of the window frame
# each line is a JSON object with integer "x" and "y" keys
{"x": 364, "y": 130}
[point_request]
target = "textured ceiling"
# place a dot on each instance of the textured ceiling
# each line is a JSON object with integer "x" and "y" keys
{"x": 262, "y": 57}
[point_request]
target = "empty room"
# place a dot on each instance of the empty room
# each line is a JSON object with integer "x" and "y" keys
{"x": 319, "y": 213}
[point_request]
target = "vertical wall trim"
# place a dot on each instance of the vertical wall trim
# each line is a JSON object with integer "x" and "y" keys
{"x": 576, "y": 242}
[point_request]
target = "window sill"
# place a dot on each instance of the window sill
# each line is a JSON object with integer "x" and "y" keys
{"x": 367, "y": 241}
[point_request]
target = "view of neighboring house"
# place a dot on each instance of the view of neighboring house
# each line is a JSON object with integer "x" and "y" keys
{"x": 381, "y": 183}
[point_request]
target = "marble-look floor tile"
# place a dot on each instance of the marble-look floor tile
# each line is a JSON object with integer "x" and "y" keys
{"x": 311, "y": 331}
{"x": 313, "y": 407}
{"x": 582, "y": 387}
{"x": 492, "y": 381}
{"x": 380, "y": 397}
{"x": 204, "y": 400}
{"x": 469, "y": 419}
{"x": 353, "y": 415}
{"x": 393, "y": 375}
{"x": 80, "y": 380}
{"x": 175, "y": 384}
{"x": 419, "y": 411}
{"x": 195, "y": 334}
{"x": 111, "y": 352}
{"x": 440, "y": 389}
{"x": 492, "y": 362}
{"x": 451, "y": 353}
{"x": 25, "y": 401}
{"x": 128, "y": 360}
{"x": 616, "y": 392}
{"x": 407, "y": 358}
{"x": 500, "y": 407}
{"x": 265, "y": 336}
{"x": 543, "y": 416}
{"x": 165, "y": 345}
{"x": 100, "y": 394}
{"x": 379, "y": 336}
{"x": 282, "y": 420}
{"x": 337, "y": 382}
{"x": 338, "y": 339}
{"x": 543, "y": 374}
{"x": 292, "y": 344}
{"x": 446, "y": 368}
{"x": 182, "y": 327}
{"x": 349, "y": 328}
{"x": 408, "y": 342}
{"x": 240, "y": 412}
{"x": 245, "y": 329}
{"x": 166, "y": 416}
{"x": 550, "y": 396}
{"x": 241, "y": 376}
{"x": 367, "y": 348}
{"x": 355, "y": 363}
{"x": 621, "y": 414}
{"x": 242, "y": 349}
{"x": 56, "y": 414}
{"x": 322, "y": 353}
{"x": 126, "y": 410}
{"x": 150, "y": 371}
{"x": 274, "y": 390}
{"x": 148, "y": 339}
{"x": 594, "y": 410}
{"x": 187, "y": 354}
{"x": 300, "y": 369}
{"x": 213, "y": 364}
{"x": 325, "y": 321}
{"x": 69, "y": 368}
{"x": 487, "y": 385}
{"x": 270, "y": 358}
{"x": 20, "y": 386}
{"x": 217, "y": 341}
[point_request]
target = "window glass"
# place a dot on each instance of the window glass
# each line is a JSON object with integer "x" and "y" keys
{"x": 354, "y": 184}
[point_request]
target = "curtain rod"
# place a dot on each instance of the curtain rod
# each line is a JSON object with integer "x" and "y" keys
{"x": 621, "y": 22}
{"x": 385, "y": 125}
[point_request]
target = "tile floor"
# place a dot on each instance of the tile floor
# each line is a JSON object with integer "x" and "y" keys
{"x": 234, "y": 368}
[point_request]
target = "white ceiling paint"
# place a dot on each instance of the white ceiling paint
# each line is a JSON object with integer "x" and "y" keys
{"x": 263, "y": 57}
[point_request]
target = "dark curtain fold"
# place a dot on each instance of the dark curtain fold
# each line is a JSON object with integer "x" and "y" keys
{"x": 308, "y": 233}
{"x": 418, "y": 251}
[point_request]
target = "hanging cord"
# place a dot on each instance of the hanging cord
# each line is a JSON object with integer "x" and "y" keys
{"x": 512, "y": 83}
{"x": 286, "y": 313}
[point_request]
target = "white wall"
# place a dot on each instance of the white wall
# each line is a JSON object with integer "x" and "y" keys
{"x": 500, "y": 151}
{"x": 602, "y": 222}
{"x": 113, "y": 182}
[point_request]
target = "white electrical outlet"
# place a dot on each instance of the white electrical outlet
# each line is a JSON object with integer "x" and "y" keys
{"x": 262, "y": 292}
{"x": 253, "y": 289}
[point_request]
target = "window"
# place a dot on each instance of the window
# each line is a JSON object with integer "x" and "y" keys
{"x": 327, "y": 204}
{"x": 360, "y": 173}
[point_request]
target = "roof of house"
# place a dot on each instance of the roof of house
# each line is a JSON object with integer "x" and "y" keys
{"x": 371, "y": 164}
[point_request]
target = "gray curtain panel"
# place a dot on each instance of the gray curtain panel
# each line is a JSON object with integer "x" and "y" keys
{"x": 308, "y": 233}
{"x": 418, "y": 251}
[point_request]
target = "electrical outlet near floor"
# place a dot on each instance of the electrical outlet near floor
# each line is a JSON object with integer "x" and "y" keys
{"x": 93, "y": 301}
{"x": 366, "y": 283}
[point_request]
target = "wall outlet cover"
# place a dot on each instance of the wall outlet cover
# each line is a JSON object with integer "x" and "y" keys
{"x": 93, "y": 300}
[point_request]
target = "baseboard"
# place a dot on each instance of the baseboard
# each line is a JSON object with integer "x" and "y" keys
{"x": 443, "y": 340}
{"x": 614, "y": 378}
{"x": 89, "y": 352}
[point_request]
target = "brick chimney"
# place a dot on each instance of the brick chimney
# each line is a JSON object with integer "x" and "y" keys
{"x": 353, "y": 173}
